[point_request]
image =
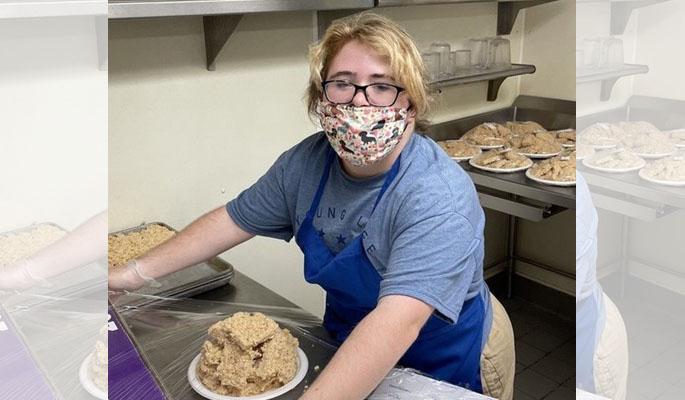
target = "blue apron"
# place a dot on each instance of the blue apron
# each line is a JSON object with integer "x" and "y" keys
{"x": 449, "y": 352}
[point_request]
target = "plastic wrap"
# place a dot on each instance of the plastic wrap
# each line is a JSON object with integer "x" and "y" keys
{"x": 51, "y": 333}
{"x": 408, "y": 384}
{"x": 48, "y": 332}
{"x": 168, "y": 334}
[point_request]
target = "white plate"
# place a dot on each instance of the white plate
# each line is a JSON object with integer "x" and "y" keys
{"x": 602, "y": 146}
{"x": 460, "y": 159}
{"x": 650, "y": 156}
{"x": 538, "y": 155}
{"x": 500, "y": 170}
{"x": 546, "y": 182}
{"x": 612, "y": 170}
{"x": 203, "y": 391}
{"x": 675, "y": 143}
{"x": 464, "y": 158}
{"x": 489, "y": 147}
{"x": 582, "y": 157}
{"x": 88, "y": 384}
{"x": 644, "y": 176}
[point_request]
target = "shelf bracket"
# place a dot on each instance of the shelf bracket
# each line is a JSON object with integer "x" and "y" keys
{"x": 621, "y": 12}
{"x": 324, "y": 18}
{"x": 493, "y": 88}
{"x": 607, "y": 88}
{"x": 218, "y": 28}
{"x": 101, "y": 25}
{"x": 507, "y": 11}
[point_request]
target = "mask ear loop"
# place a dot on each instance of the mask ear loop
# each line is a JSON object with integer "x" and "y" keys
{"x": 409, "y": 109}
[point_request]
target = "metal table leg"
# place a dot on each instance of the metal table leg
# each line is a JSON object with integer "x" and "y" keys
{"x": 511, "y": 254}
{"x": 625, "y": 234}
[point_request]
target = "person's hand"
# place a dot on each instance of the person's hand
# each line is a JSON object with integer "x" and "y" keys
{"x": 129, "y": 278}
{"x": 17, "y": 277}
{"x": 125, "y": 278}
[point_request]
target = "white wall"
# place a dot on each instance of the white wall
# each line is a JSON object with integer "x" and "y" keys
{"x": 53, "y": 129}
{"x": 184, "y": 140}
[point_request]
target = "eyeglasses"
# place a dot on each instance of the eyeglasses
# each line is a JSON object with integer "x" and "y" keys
{"x": 376, "y": 94}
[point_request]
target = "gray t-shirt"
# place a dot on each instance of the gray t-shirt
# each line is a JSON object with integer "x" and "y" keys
{"x": 425, "y": 237}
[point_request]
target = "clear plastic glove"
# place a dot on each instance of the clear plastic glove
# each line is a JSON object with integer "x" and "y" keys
{"x": 129, "y": 278}
{"x": 17, "y": 277}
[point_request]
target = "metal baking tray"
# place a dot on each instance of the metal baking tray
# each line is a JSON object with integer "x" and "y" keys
{"x": 32, "y": 227}
{"x": 514, "y": 194}
{"x": 189, "y": 281}
{"x": 627, "y": 193}
{"x": 87, "y": 281}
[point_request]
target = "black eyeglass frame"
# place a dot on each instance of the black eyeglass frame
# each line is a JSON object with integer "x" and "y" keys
{"x": 357, "y": 88}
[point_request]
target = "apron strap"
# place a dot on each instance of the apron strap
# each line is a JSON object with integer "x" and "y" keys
{"x": 322, "y": 183}
{"x": 388, "y": 180}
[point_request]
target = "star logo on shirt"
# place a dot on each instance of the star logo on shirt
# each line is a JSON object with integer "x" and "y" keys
{"x": 341, "y": 239}
{"x": 321, "y": 233}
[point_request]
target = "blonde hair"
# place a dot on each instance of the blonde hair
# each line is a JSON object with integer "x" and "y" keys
{"x": 385, "y": 37}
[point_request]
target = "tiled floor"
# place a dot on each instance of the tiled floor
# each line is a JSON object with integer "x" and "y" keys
{"x": 655, "y": 322}
{"x": 545, "y": 353}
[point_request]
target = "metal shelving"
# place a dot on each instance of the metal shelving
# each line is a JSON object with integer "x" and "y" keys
{"x": 51, "y": 8}
{"x": 609, "y": 77}
{"x": 221, "y": 17}
{"x": 494, "y": 77}
{"x": 170, "y": 8}
{"x": 97, "y": 9}
{"x": 507, "y": 10}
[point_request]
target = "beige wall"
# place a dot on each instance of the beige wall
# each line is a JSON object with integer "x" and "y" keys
{"x": 549, "y": 43}
{"x": 659, "y": 44}
{"x": 184, "y": 140}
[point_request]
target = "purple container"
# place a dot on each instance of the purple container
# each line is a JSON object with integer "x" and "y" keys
{"x": 129, "y": 377}
{"x": 20, "y": 376}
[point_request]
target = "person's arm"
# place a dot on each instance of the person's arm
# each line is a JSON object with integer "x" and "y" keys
{"x": 85, "y": 244}
{"x": 209, "y": 235}
{"x": 371, "y": 350}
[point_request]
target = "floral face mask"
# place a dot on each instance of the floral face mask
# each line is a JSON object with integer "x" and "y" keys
{"x": 362, "y": 135}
